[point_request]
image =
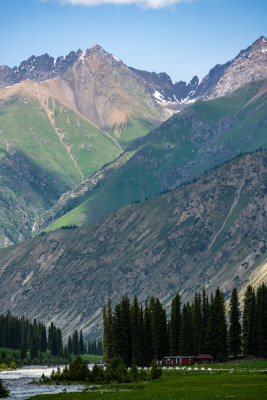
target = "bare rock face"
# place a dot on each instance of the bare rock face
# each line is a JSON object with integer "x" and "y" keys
{"x": 106, "y": 91}
{"x": 98, "y": 73}
{"x": 250, "y": 65}
{"x": 37, "y": 69}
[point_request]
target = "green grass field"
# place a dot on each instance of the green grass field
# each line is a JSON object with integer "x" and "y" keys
{"x": 182, "y": 385}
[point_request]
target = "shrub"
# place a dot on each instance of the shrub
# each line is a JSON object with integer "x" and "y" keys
{"x": 13, "y": 365}
{"x": 3, "y": 391}
{"x": 155, "y": 371}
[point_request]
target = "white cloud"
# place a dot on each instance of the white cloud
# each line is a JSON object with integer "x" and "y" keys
{"x": 142, "y": 3}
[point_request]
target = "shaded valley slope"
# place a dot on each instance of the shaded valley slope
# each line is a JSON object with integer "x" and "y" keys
{"x": 208, "y": 233}
{"x": 202, "y": 136}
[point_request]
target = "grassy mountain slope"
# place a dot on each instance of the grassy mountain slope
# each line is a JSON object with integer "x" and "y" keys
{"x": 209, "y": 233}
{"x": 45, "y": 149}
{"x": 181, "y": 149}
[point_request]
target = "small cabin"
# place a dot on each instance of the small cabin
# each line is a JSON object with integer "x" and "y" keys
{"x": 172, "y": 361}
{"x": 204, "y": 359}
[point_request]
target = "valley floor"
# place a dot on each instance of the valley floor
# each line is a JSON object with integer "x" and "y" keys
{"x": 183, "y": 385}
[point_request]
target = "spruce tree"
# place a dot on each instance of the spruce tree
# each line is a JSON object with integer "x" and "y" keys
{"x": 108, "y": 348}
{"x": 136, "y": 331}
{"x": 187, "y": 336}
{"x": 261, "y": 320}
{"x": 148, "y": 341}
{"x": 249, "y": 322}
{"x": 175, "y": 325}
{"x": 75, "y": 343}
{"x": 217, "y": 327}
{"x": 235, "y": 326}
{"x": 81, "y": 344}
{"x": 197, "y": 323}
{"x": 159, "y": 328}
{"x": 43, "y": 339}
{"x": 69, "y": 345}
{"x": 203, "y": 348}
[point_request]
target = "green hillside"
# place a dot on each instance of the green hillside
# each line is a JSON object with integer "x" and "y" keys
{"x": 45, "y": 149}
{"x": 209, "y": 233}
{"x": 199, "y": 138}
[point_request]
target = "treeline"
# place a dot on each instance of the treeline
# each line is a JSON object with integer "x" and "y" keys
{"x": 29, "y": 337}
{"x": 143, "y": 333}
{"x": 77, "y": 346}
{"x": 95, "y": 347}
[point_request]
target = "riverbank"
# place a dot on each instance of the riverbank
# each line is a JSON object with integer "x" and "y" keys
{"x": 17, "y": 382}
{"x": 180, "y": 384}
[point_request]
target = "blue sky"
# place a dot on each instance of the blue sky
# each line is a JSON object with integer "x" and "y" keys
{"x": 182, "y": 38}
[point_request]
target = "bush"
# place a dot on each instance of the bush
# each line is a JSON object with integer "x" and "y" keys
{"x": 3, "y": 391}
{"x": 13, "y": 365}
{"x": 155, "y": 371}
{"x": 3, "y": 366}
{"x": 134, "y": 373}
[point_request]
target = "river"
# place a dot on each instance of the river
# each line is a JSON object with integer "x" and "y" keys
{"x": 17, "y": 382}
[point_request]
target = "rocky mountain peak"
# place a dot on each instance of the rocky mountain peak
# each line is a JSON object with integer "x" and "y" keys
{"x": 257, "y": 48}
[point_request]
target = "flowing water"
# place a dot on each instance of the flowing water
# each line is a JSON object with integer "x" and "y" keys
{"x": 18, "y": 383}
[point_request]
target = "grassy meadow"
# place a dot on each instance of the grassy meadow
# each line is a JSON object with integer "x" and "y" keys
{"x": 181, "y": 385}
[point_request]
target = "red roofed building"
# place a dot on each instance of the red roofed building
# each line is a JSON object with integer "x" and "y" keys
{"x": 204, "y": 359}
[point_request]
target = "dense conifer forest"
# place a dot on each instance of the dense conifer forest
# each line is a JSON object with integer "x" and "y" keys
{"x": 143, "y": 332}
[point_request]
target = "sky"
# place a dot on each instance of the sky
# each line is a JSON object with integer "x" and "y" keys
{"x": 180, "y": 37}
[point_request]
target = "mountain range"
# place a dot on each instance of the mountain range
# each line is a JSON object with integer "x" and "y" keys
{"x": 63, "y": 120}
{"x": 119, "y": 181}
{"x": 208, "y": 233}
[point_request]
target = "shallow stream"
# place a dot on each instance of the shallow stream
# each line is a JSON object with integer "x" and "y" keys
{"x": 18, "y": 383}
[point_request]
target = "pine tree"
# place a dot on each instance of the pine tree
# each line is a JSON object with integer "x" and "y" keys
{"x": 187, "y": 336}
{"x": 197, "y": 322}
{"x": 261, "y": 320}
{"x": 235, "y": 326}
{"x": 75, "y": 343}
{"x": 175, "y": 325}
{"x": 70, "y": 345}
{"x": 204, "y": 323}
{"x": 43, "y": 340}
{"x": 108, "y": 348}
{"x": 136, "y": 331}
{"x": 217, "y": 327}
{"x": 159, "y": 328}
{"x": 34, "y": 351}
{"x": 81, "y": 344}
{"x": 249, "y": 322}
{"x": 148, "y": 341}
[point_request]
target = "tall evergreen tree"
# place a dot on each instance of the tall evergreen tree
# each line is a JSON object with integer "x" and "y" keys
{"x": 43, "y": 340}
{"x": 81, "y": 344}
{"x": 75, "y": 343}
{"x": 249, "y": 322}
{"x": 69, "y": 345}
{"x": 108, "y": 350}
{"x": 175, "y": 325}
{"x": 187, "y": 334}
{"x": 203, "y": 348}
{"x": 197, "y": 322}
{"x": 159, "y": 328}
{"x": 34, "y": 350}
{"x": 148, "y": 341}
{"x": 261, "y": 320}
{"x": 136, "y": 331}
{"x": 235, "y": 326}
{"x": 218, "y": 326}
